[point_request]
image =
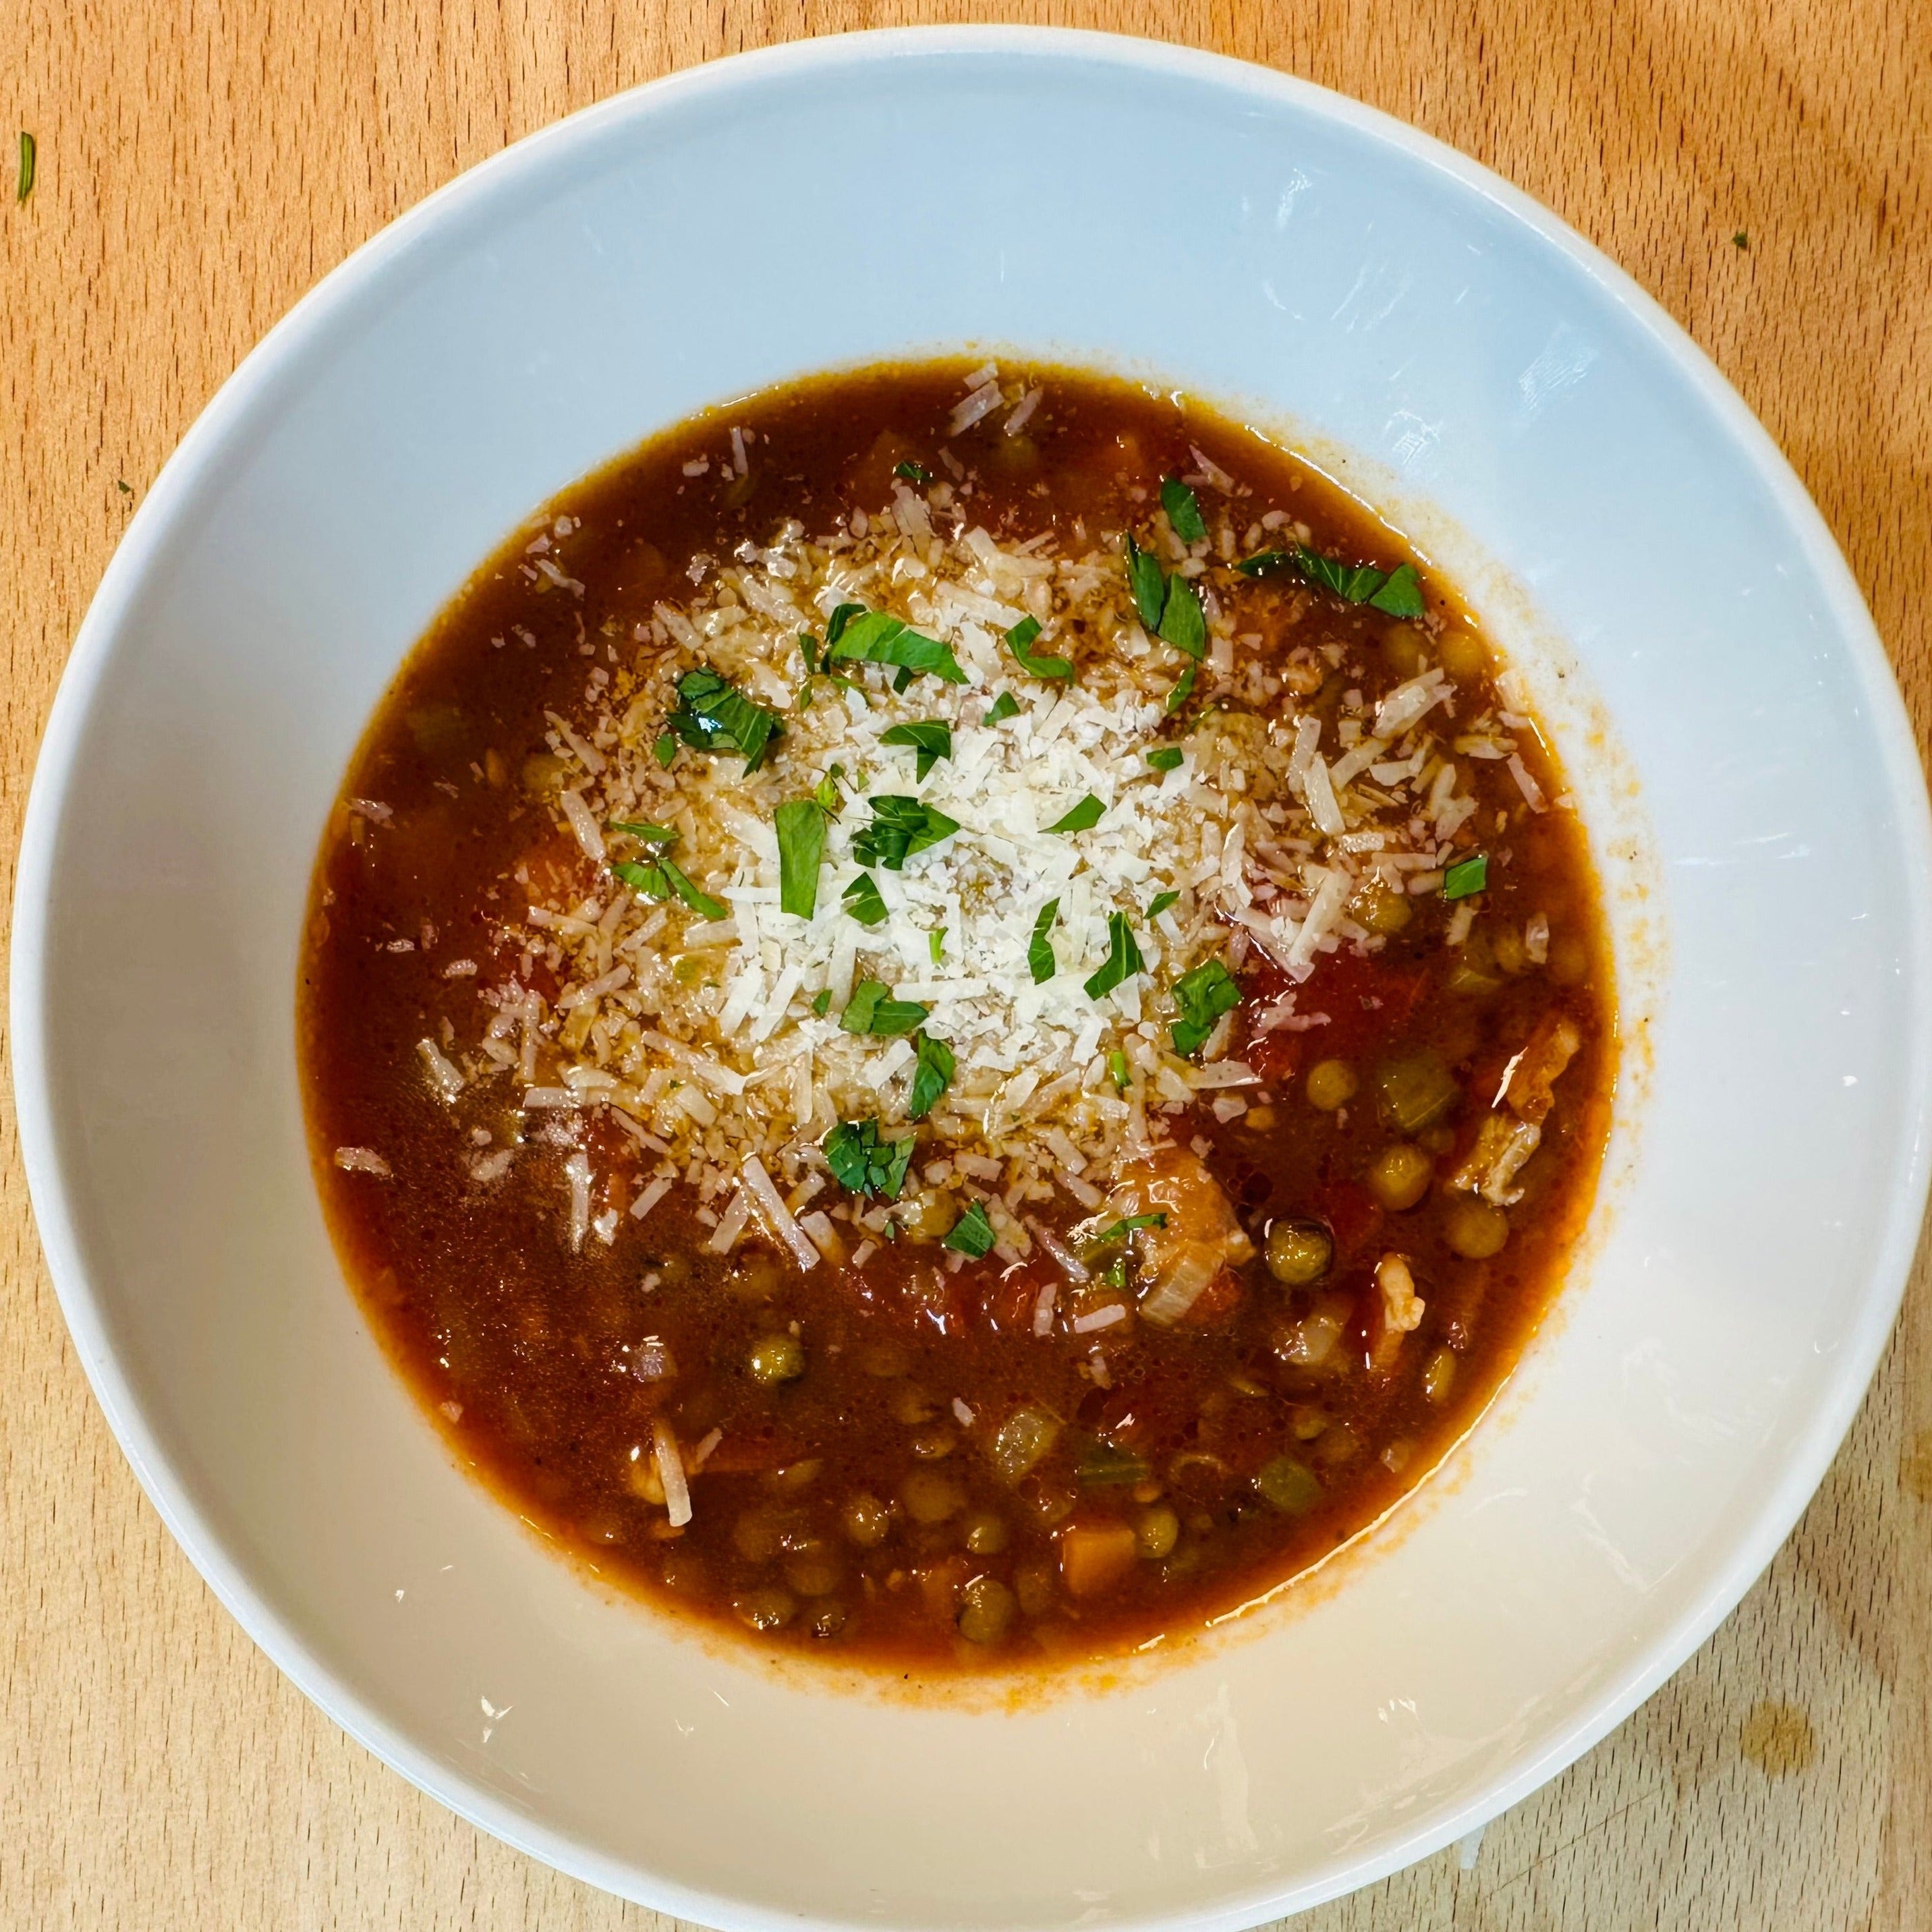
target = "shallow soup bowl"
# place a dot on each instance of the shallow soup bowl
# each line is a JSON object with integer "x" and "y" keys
{"x": 1535, "y": 426}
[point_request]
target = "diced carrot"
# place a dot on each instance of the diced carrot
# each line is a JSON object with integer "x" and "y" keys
{"x": 1094, "y": 1555}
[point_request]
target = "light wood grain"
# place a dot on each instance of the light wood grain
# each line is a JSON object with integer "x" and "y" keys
{"x": 201, "y": 163}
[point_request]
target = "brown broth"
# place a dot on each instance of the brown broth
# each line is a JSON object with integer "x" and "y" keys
{"x": 808, "y": 1532}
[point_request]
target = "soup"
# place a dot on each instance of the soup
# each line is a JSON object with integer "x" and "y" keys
{"x": 955, "y": 1019}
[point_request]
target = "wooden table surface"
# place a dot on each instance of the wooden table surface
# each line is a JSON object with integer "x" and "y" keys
{"x": 1760, "y": 166}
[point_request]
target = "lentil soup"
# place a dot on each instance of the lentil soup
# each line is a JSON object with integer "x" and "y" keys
{"x": 955, "y": 1019}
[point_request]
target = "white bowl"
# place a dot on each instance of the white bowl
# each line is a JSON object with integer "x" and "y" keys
{"x": 1740, "y": 753}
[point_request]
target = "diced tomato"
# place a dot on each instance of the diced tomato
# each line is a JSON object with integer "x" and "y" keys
{"x": 1368, "y": 1000}
{"x": 1355, "y": 1218}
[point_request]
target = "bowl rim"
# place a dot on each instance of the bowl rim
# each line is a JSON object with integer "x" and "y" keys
{"x": 1806, "y": 1455}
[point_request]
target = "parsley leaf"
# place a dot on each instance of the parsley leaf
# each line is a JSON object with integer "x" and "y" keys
{"x": 1018, "y": 640}
{"x": 1123, "y": 958}
{"x": 1004, "y": 706}
{"x": 712, "y": 716}
{"x": 1266, "y": 563}
{"x": 1184, "y": 510}
{"x": 932, "y": 1074}
{"x": 1083, "y": 817}
{"x": 23, "y": 185}
{"x": 1118, "y": 1067}
{"x": 863, "y": 1163}
{"x": 644, "y": 832}
{"x": 825, "y": 793}
{"x": 821, "y": 1001}
{"x": 1121, "y": 1229}
{"x": 875, "y": 637}
{"x": 1040, "y": 960}
{"x": 972, "y": 1233}
{"x": 872, "y": 1009}
{"x": 1165, "y": 757}
{"x": 801, "y": 830}
{"x": 1467, "y": 877}
{"x": 662, "y": 879}
{"x": 863, "y": 899}
{"x": 665, "y": 749}
{"x": 1184, "y": 689}
{"x": 1182, "y": 625}
{"x": 1148, "y": 583}
{"x": 808, "y": 645}
{"x": 935, "y": 943}
{"x": 1160, "y": 903}
{"x": 912, "y": 472}
{"x": 1203, "y": 996}
{"x": 931, "y": 739}
{"x": 835, "y": 624}
{"x": 1401, "y": 596}
{"x": 900, "y": 827}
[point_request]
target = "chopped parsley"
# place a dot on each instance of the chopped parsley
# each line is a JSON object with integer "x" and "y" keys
{"x": 1019, "y": 641}
{"x": 1004, "y": 706}
{"x": 835, "y": 626}
{"x": 932, "y": 740}
{"x": 801, "y": 825}
{"x": 900, "y": 827}
{"x": 1397, "y": 593}
{"x": 1121, "y": 1230}
{"x": 1165, "y": 757}
{"x": 861, "y": 1162}
{"x": 875, "y": 637}
{"x": 1083, "y": 817}
{"x": 931, "y": 1075}
{"x": 1184, "y": 510}
{"x": 821, "y": 1001}
{"x": 665, "y": 749}
{"x": 1040, "y": 960}
{"x": 1183, "y": 623}
{"x": 825, "y": 793}
{"x": 972, "y": 1233}
{"x": 1467, "y": 877}
{"x": 1203, "y": 996}
{"x": 863, "y": 900}
{"x": 1148, "y": 583}
{"x": 23, "y": 184}
{"x": 1121, "y": 1073}
{"x": 645, "y": 833}
{"x": 1160, "y": 903}
{"x": 1123, "y": 958}
{"x": 872, "y": 1009}
{"x": 1184, "y": 689}
{"x": 662, "y": 879}
{"x": 1740, "y": 240}
{"x": 935, "y": 943}
{"x": 913, "y": 472}
{"x": 713, "y": 716}
{"x": 1099, "y": 1465}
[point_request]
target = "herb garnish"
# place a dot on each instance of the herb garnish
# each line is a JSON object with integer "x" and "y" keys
{"x": 662, "y": 879}
{"x": 912, "y": 472}
{"x": 1203, "y": 996}
{"x": 1165, "y": 757}
{"x": 1118, "y": 1067}
{"x": 644, "y": 832}
{"x": 1020, "y": 637}
{"x": 1040, "y": 960}
{"x": 863, "y": 900}
{"x": 900, "y": 827}
{"x": 1160, "y": 903}
{"x": 1099, "y": 1465}
{"x": 1148, "y": 582}
{"x": 932, "y": 739}
{"x": 1123, "y": 958}
{"x": 1121, "y": 1229}
{"x": 872, "y": 1009}
{"x": 1467, "y": 877}
{"x": 1004, "y": 706}
{"x": 712, "y": 716}
{"x": 862, "y": 1163}
{"x": 1184, "y": 689}
{"x": 821, "y": 1001}
{"x": 1083, "y": 817}
{"x": 665, "y": 749}
{"x": 1184, "y": 510}
{"x": 972, "y": 1233}
{"x": 23, "y": 186}
{"x": 875, "y": 636}
{"x": 801, "y": 825}
{"x": 1182, "y": 622}
{"x": 1398, "y": 593}
{"x": 935, "y": 943}
{"x": 931, "y": 1075}
{"x": 825, "y": 793}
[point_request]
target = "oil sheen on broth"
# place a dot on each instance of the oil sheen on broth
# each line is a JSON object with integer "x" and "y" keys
{"x": 954, "y": 1019}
